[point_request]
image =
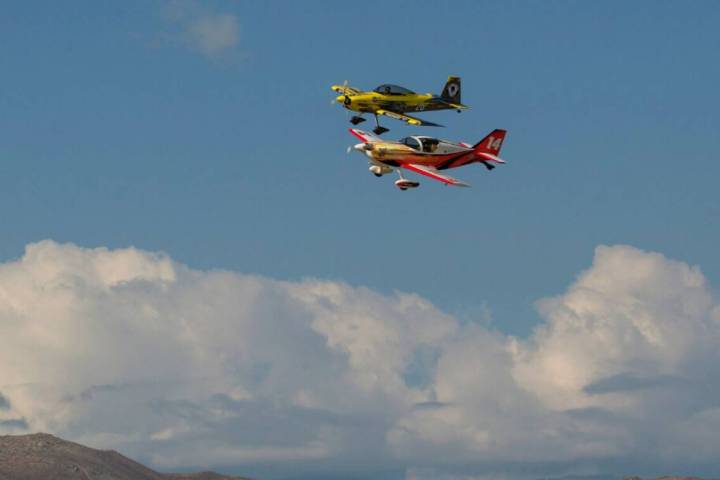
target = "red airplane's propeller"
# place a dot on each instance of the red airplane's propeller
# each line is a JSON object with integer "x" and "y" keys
{"x": 366, "y": 146}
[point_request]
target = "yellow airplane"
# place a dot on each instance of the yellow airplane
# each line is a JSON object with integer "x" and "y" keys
{"x": 394, "y": 101}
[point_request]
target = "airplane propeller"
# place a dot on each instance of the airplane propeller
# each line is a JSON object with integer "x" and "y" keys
{"x": 366, "y": 146}
{"x": 344, "y": 91}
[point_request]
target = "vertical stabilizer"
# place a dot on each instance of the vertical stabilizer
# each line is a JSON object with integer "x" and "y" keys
{"x": 488, "y": 149}
{"x": 451, "y": 92}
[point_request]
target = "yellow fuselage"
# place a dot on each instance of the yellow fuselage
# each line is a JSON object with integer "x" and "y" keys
{"x": 369, "y": 102}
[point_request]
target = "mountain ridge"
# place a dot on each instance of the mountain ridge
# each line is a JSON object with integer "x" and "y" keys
{"x": 41, "y": 456}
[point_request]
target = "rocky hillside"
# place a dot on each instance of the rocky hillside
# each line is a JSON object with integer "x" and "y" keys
{"x": 45, "y": 457}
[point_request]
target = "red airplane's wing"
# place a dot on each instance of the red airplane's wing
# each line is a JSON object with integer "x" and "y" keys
{"x": 434, "y": 174}
{"x": 364, "y": 137}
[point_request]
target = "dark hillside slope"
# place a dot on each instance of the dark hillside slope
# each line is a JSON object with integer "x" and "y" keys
{"x": 44, "y": 457}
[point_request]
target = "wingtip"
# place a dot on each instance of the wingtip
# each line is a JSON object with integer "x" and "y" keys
{"x": 458, "y": 184}
{"x": 362, "y": 136}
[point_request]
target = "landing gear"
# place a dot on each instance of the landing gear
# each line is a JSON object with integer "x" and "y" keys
{"x": 356, "y": 119}
{"x": 379, "y": 170}
{"x": 378, "y": 130}
{"x": 489, "y": 166}
{"x": 403, "y": 183}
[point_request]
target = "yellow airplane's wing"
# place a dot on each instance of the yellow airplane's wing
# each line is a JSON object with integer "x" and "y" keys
{"x": 345, "y": 90}
{"x": 406, "y": 118}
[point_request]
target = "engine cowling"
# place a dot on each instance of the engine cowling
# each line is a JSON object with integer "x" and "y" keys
{"x": 379, "y": 170}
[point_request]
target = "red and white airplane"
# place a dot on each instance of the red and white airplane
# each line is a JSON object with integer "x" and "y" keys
{"x": 427, "y": 156}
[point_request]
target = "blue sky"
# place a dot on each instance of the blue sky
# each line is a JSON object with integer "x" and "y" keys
{"x": 116, "y": 135}
{"x": 120, "y": 130}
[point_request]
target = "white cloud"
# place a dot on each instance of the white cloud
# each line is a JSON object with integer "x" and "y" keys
{"x": 213, "y": 34}
{"x": 634, "y": 314}
{"x": 201, "y": 29}
{"x": 130, "y": 350}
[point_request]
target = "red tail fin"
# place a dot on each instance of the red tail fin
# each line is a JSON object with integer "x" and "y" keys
{"x": 487, "y": 150}
{"x": 492, "y": 143}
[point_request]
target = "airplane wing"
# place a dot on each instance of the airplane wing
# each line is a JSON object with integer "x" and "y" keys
{"x": 364, "y": 137}
{"x": 345, "y": 90}
{"x": 406, "y": 118}
{"x": 434, "y": 174}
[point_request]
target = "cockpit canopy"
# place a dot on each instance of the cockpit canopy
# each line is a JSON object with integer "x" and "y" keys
{"x": 389, "y": 89}
{"x": 421, "y": 144}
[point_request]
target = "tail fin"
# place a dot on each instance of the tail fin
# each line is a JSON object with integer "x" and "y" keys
{"x": 488, "y": 148}
{"x": 451, "y": 91}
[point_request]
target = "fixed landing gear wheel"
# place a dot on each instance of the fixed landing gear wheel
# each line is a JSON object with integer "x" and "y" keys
{"x": 378, "y": 174}
{"x": 355, "y": 120}
{"x": 380, "y": 130}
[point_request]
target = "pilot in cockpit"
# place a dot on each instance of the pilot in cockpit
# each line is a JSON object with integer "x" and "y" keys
{"x": 429, "y": 145}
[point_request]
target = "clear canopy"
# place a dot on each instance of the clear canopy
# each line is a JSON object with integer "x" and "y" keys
{"x": 425, "y": 144}
{"x": 411, "y": 142}
{"x": 389, "y": 89}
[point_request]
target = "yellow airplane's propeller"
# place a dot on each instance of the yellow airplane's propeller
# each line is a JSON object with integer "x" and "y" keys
{"x": 344, "y": 92}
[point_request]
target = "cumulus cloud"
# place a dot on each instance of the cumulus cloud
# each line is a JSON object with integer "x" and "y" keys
{"x": 622, "y": 362}
{"x": 130, "y": 350}
{"x": 202, "y": 29}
